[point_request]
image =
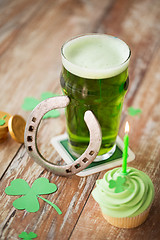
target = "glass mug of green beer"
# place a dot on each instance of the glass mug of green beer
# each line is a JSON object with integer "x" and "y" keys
{"x": 95, "y": 77}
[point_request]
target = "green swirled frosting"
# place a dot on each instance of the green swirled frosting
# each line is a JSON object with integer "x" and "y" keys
{"x": 136, "y": 197}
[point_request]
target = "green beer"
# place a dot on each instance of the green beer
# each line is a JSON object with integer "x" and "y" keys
{"x": 95, "y": 77}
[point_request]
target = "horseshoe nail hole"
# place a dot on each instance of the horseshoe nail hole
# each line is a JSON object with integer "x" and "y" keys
{"x": 68, "y": 171}
{"x": 85, "y": 160}
{"x": 31, "y": 128}
{"x": 29, "y": 138}
{"x": 30, "y": 148}
{"x": 91, "y": 153}
{"x": 77, "y": 166}
{"x": 33, "y": 119}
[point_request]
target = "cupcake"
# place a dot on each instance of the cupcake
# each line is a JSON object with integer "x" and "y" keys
{"x": 124, "y": 199}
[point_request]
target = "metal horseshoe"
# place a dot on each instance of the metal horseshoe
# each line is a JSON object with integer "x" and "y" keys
{"x": 30, "y": 138}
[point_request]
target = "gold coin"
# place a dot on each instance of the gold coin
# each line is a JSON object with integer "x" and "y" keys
{"x": 2, "y": 139}
{"x": 3, "y": 130}
{"x": 16, "y": 126}
{"x": 2, "y": 135}
{"x": 4, "y": 117}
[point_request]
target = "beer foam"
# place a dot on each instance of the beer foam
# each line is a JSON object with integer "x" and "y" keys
{"x": 95, "y": 56}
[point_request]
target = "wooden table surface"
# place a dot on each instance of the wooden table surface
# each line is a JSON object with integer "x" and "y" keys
{"x": 31, "y": 35}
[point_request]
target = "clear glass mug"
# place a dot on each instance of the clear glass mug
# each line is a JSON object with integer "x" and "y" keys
{"x": 94, "y": 79}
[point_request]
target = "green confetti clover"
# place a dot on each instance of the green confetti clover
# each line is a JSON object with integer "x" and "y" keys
{"x": 2, "y": 120}
{"x": 133, "y": 111}
{"x": 27, "y": 236}
{"x": 46, "y": 95}
{"x": 118, "y": 184}
{"x": 29, "y": 201}
{"x": 30, "y": 103}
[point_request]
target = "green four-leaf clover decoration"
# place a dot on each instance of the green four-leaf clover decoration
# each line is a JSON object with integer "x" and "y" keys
{"x": 30, "y": 103}
{"x": 2, "y": 120}
{"x": 118, "y": 184}
{"x": 27, "y": 236}
{"x": 133, "y": 111}
{"x": 29, "y": 200}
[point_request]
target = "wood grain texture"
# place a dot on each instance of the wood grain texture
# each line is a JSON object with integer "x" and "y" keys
{"x": 31, "y": 35}
{"x": 31, "y": 63}
{"x": 46, "y": 222}
{"x": 145, "y": 142}
{"x": 137, "y": 23}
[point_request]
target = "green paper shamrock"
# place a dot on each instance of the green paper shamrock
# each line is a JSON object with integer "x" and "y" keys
{"x": 29, "y": 201}
{"x": 27, "y": 236}
{"x": 2, "y": 121}
{"x": 52, "y": 114}
{"x": 46, "y": 95}
{"x": 118, "y": 184}
{"x": 30, "y": 103}
{"x": 133, "y": 111}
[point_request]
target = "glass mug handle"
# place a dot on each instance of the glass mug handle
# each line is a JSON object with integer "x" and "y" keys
{"x": 30, "y": 137}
